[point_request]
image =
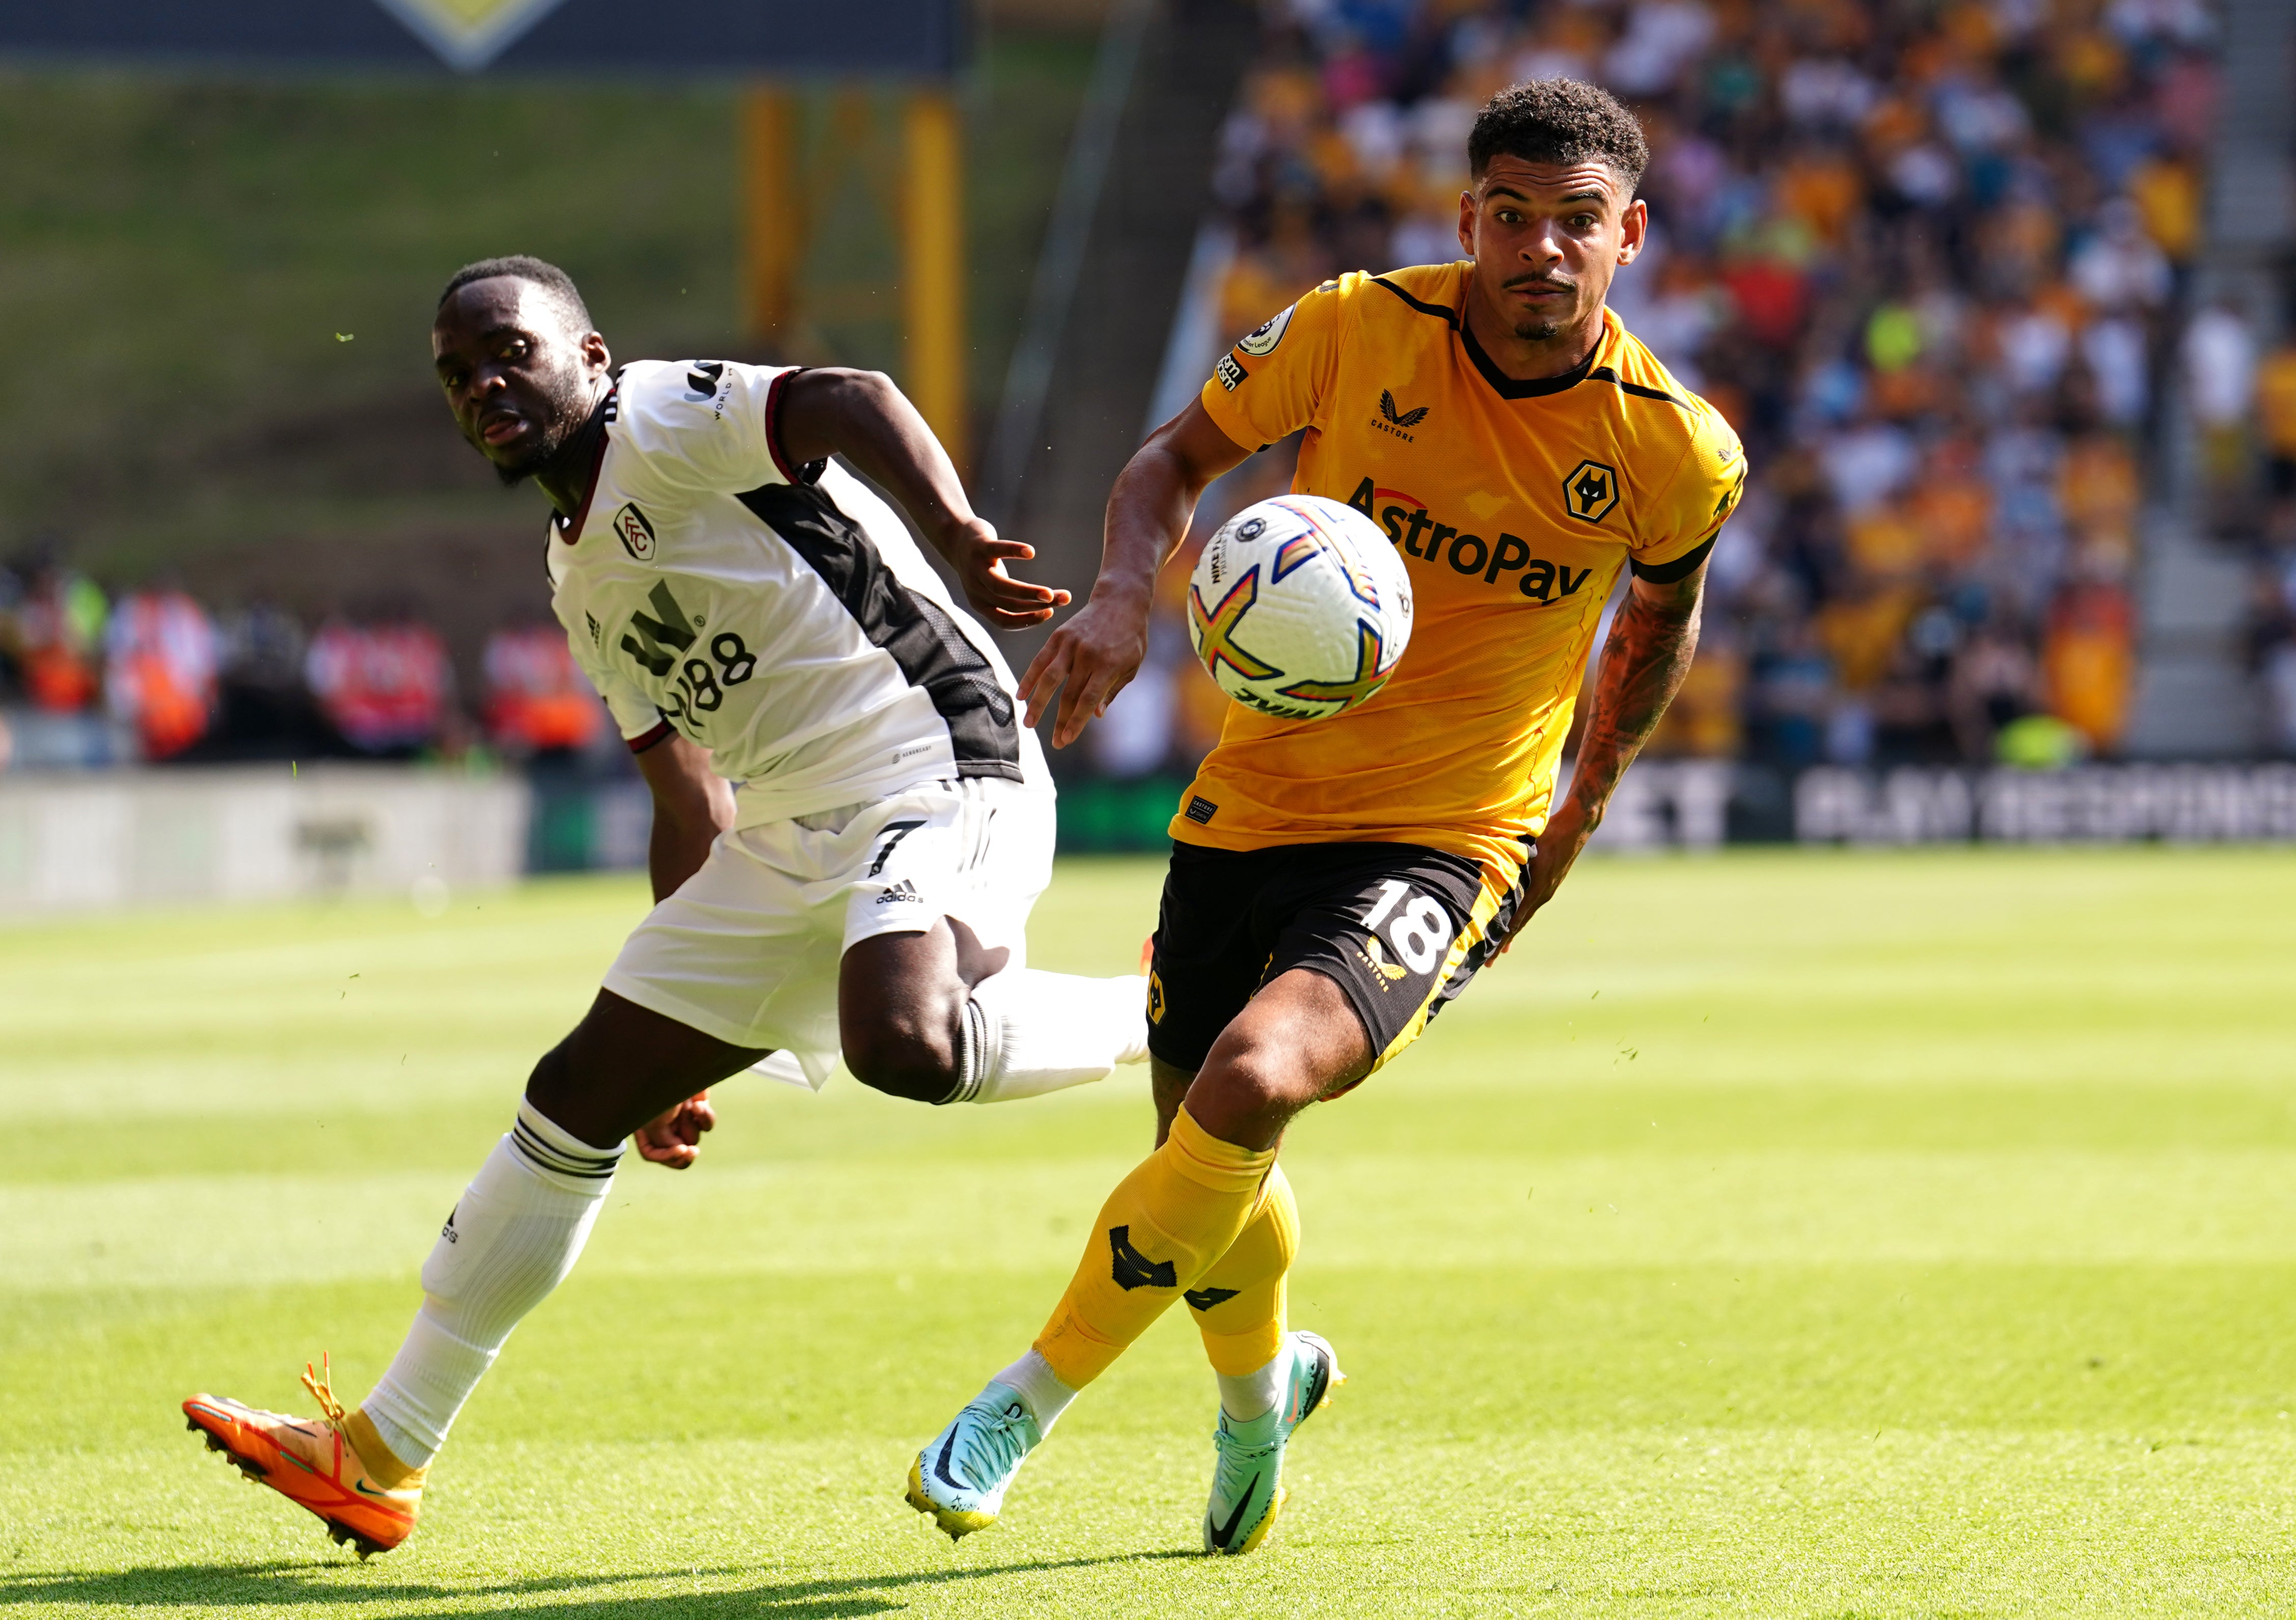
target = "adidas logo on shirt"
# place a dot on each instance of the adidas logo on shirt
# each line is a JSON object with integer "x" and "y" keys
{"x": 902, "y": 892}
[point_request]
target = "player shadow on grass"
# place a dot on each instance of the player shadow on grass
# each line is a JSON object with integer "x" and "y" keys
{"x": 281, "y": 1583}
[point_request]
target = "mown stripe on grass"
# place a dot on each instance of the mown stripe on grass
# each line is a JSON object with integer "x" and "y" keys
{"x": 1451, "y": 1210}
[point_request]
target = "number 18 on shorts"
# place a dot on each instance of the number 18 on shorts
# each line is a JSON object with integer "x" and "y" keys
{"x": 1399, "y": 928}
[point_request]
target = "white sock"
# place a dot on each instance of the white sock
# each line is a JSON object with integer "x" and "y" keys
{"x": 517, "y": 1232}
{"x": 1026, "y": 1033}
{"x": 1255, "y": 1393}
{"x": 1033, "y": 1379}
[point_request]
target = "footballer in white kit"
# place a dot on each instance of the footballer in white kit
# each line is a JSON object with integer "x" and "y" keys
{"x": 783, "y": 618}
{"x": 850, "y": 822}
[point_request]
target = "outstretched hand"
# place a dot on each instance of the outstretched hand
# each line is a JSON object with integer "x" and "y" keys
{"x": 979, "y": 556}
{"x": 674, "y": 1138}
{"x": 1087, "y": 661}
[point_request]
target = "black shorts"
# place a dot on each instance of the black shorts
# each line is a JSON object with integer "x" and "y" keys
{"x": 1399, "y": 928}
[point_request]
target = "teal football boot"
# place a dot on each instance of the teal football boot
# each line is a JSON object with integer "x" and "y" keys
{"x": 960, "y": 1478}
{"x": 1248, "y": 1470}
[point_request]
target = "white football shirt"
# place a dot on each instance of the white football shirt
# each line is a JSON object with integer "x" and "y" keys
{"x": 780, "y": 617}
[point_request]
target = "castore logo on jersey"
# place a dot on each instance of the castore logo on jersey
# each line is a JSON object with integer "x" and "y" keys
{"x": 1396, "y": 420}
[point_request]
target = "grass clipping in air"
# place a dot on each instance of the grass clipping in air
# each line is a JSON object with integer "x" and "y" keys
{"x": 1774, "y": 1234}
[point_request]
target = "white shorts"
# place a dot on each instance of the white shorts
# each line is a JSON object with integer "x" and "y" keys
{"x": 748, "y": 949}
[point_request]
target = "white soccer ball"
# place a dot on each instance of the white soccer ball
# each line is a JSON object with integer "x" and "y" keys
{"x": 1300, "y": 607}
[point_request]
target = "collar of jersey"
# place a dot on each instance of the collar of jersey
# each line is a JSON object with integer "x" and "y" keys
{"x": 1530, "y": 388}
{"x": 571, "y": 532}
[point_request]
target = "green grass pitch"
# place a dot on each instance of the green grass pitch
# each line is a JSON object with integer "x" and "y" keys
{"x": 1773, "y": 1234}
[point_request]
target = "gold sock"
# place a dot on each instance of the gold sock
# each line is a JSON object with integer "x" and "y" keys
{"x": 1238, "y": 1303}
{"x": 381, "y": 1463}
{"x": 1162, "y": 1228}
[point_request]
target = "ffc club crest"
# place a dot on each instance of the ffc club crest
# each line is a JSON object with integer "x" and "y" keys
{"x": 636, "y": 535}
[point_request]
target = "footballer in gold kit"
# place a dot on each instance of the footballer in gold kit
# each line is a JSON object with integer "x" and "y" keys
{"x": 1335, "y": 882}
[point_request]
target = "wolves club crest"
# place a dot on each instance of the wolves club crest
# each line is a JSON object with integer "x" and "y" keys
{"x": 1590, "y": 490}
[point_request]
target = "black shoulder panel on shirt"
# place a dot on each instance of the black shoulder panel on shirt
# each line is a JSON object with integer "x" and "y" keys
{"x": 1442, "y": 311}
{"x": 1668, "y": 573}
{"x": 932, "y": 651}
{"x": 1603, "y": 373}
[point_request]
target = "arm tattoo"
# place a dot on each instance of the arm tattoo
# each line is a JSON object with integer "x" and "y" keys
{"x": 1652, "y": 640}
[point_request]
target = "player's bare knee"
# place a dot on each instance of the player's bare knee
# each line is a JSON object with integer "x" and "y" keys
{"x": 1255, "y": 1082}
{"x": 914, "y": 1056}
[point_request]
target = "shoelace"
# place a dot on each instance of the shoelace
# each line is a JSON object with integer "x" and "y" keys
{"x": 1239, "y": 1459}
{"x": 996, "y": 1440}
{"x": 322, "y": 1386}
{"x": 1240, "y": 1468}
{"x": 1233, "y": 1451}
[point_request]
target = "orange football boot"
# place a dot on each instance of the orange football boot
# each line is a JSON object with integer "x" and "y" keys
{"x": 323, "y": 1465}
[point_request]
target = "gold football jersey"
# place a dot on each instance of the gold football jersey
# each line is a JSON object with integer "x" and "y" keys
{"x": 1514, "y": 504}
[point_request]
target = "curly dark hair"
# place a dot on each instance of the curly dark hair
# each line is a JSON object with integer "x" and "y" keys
{"x": 1559, "y": 120}
{"x": 525, "y": 268}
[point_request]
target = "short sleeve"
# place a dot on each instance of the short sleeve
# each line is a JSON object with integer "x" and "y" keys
{"x": 636, "y": 717}
{"x": 1272, "y": 383}
{"x": 634, "y": 714}
{"x": 1691, "y": 509}
{"x": 711, "y": 425}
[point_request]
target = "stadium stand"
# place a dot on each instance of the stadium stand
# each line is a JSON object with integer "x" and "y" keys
{"x": 157, "y": 676}
{"x": 1929, "y": 261}
{"x": 1946, "y": 268}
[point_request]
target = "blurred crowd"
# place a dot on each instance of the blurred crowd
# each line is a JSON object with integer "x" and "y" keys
{"x": 1931, "y": 260}
{"x": 2244, "y": 406}
{"x": 152, "y": 674}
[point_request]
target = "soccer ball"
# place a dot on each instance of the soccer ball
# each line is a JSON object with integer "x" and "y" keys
{"x": 1300, "y": 607}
